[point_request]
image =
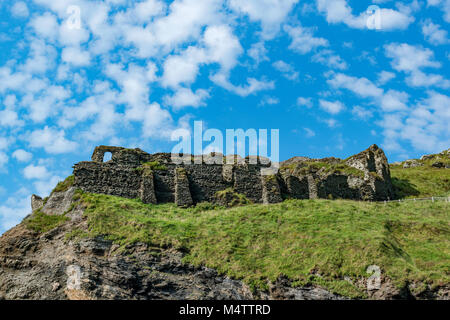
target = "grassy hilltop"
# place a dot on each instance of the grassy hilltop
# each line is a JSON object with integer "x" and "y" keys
{"x": 312, "y": 242}
{"x": 422, "y": 179}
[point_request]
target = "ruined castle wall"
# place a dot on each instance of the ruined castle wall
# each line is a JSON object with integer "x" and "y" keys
{"x": 161, "y": 181}
{"x": 165, "y": 184}
{"x": 295, "y": 187}
{"x": 247, "y": 181}
{"x": 336, "y": 186}
{"x": 205, "y": 181}
{"x": 108, "y": 178}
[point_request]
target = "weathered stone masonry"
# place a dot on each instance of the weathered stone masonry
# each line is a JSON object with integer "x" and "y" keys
{"x": 153, "y": 178}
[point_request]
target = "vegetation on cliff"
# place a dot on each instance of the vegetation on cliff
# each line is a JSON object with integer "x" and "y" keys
{"x": 421, "y": 178}
{"x": 319, "y": 242}
{"x": 64, "y": 185}
{"x": 337, "y": 166}
{"x": 41, "y": 222}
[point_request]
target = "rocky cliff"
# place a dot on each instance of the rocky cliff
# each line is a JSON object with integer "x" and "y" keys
{"x": 48, "y": 266}
{"x": 53, "y": 253}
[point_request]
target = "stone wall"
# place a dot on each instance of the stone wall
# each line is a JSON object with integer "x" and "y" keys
{"x": 133, "y": 173}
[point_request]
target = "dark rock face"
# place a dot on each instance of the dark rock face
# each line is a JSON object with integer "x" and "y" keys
{"x": 125, "y": 176}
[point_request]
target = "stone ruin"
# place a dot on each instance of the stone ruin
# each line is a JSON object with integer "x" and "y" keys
{"x": 154, "y": 178}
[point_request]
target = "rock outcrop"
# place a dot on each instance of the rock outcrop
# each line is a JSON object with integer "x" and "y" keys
{"x": 439, "y": 161}
{"x": 154, "y": 178}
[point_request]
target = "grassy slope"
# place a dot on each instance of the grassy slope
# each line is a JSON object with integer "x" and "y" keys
{"x": 420, "y": 182}
{"x": 310, "y": 241}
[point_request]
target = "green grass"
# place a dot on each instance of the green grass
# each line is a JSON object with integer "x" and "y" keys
{"x": 310, "y": 241}
{"x": 76, "y": 234}
{"x": 41, "y": 222}
{"x": 420, "y": 182}
{"x": 306, "y": 167}
{"x": 230, "y": 198}
{"x": 153, "y": 165}
{"x": 64, "y": 185}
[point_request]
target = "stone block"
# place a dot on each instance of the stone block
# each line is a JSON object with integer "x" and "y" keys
{"x": 183, "y": 196}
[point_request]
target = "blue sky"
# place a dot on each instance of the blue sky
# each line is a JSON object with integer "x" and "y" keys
{"x": 332, "y": 77}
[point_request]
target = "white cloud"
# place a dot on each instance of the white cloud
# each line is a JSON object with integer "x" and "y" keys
{"x": 420, "y": 79}
{"x": 339, "y": 11}
{"x": 41, "y": 59}
{"x": 69, "y": 36}
{"x": 303, "y": 40}
{"x": 286, "y": 69}
{"x": 384, "y": 77}
{"x": 3, "y": 159}
{"x": 219, "y": 45}
{"x": 146, "y": 10}
{"x": 4, "y": 142}
{"x": 185, "y": 21}
{"x": 222, "y": 46}
{"x": 258, "y": 52}
{"x": 252, "y": 87}
{"x": 47, "y": 104}
{"x": 134, "y": 81}
{"x": 22, "y": 155}
{"x": 185, "y": 97}
{"x": 363, "y": 87}
{"x": 330, "y": 59}
{"x": 20, "y": 10}
{"x": 389, "y": 101}
{"x": 182, "y": 69}
{"x": 157, "y": 122}
{"x": 268, "y": 100}
{"x": 425, "y": 127}
{"x": 434, "y": 34}
{"x": 52, "y": 140}
{"x": 304, "y": 102}
{"x": 35, "y": 172}
{"x": 362, "y": 113}
{"x": 394, "y": 101}
{"x": 333, "y": 107}
{"x": 45, "y": 26}
{"x": 444, "y": 5}
{"x": 411, "y": 60}
{"x": 331, "y": 123}
{"x": 9, "y": 118}
{"x": 13, "y": 211}
{"x": 76, "y": 56}
{"x": 44, "y": 186}
{"x": 309, "y": 133}
{"x": 270, "y": 13}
